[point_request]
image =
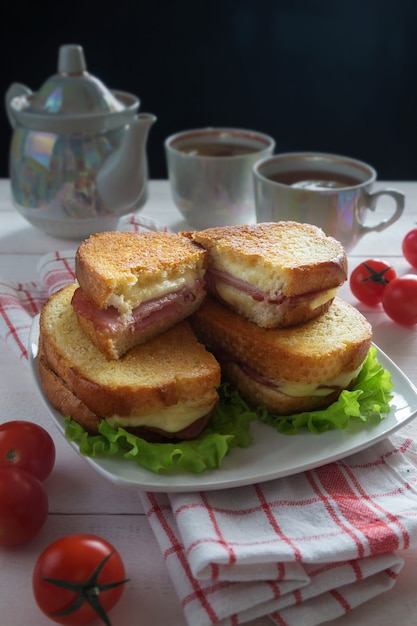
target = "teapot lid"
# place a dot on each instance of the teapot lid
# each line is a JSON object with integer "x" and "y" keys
{"x": 74, "y": 100}
{"x": 73, "y": 90}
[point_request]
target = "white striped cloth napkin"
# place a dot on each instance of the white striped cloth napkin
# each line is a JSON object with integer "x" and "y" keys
{"x": 303, "y": 549}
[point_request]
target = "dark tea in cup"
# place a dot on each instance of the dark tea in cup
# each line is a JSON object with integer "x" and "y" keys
{"x": 328, "y": 190}
{"x": 217, "y": 149}
{"x": 315, "y": 179}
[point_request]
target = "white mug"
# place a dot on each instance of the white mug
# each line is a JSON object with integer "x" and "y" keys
{"x": 330, "y": 191}
{"x": 210, "y": 172}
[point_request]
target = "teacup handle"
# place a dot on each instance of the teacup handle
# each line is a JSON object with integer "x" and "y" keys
{"x": 373, "y": 197}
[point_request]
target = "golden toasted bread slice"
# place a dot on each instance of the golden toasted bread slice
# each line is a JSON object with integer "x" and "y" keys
{"x": 124, "y": 269}
{"x": 291, "y": 369}
{"x": 166, "y": 384}
{"x": 134, "y": 286}
{"x": 275, "y": 274}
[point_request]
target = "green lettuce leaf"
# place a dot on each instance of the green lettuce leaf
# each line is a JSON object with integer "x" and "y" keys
{"x": 369, "y": 398}
{"x": 230, "y": 426}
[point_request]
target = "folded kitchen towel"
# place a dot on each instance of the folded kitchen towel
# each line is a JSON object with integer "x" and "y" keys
{"x": 20, "y": 302}
{"x": 303, "y": 549}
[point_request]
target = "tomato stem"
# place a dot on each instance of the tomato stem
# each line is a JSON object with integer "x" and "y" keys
{"x": 87, "y": 591}
{"x": 11, "y": 456}
{"x": 376, "y": 277}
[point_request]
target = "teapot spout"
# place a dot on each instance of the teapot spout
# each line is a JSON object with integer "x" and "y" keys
{"x": 123, "y": 177}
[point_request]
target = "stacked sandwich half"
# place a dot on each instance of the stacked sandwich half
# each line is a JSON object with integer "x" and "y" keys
{"x": 272, "y": 318}
{"x": 116, "y": 345}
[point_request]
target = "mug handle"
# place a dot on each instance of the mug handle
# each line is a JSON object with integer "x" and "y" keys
{"x": 373, "y": 197}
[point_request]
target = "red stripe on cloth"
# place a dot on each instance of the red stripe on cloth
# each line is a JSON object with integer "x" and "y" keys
{"x": 221, "y": 540}
{"x": 405, "y": 445}
{"x": 65, "y": 263}
{"x": 326, "y": 567}
{"x": 342, "y": 499}
{"x": 33, "y": 303}
{"x": 341, "y": 600}
{"x": 210, "y": 590}
{"x": 357, "y": 570}
{"x": 22, "y": 299}
{"x": 13, "y": 331}
{"x": 177, "y": 548}
{"x": 391, "y": 574}
{"x": 143, "y": 224}
{"x": 278, "y": 619}
{"x": 58, "y": 275}
{"x": 273, "y": 522}
{"x": 134, "y": 224}
{"x": 379, "y": 543}
{"x": 281, "y": 571}
{"x": 275, "y": 588}
{"x": 297, "y": 596}
{"x": 327, "y": 502}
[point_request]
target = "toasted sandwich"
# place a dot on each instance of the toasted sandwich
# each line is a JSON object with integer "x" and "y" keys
{"x": 133, "y": 286}
{"x": 275, "y": 274}
{"x": 287, "y": 370}
{"x": 166, "y": 387}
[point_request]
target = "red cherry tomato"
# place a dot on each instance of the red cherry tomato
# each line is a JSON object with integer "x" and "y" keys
{"x": 23, "y": 506}
{"x": 369, "y": 280}
{"x": 409, "y": 247}
{"x": 77, "y": 579}
{"x": 400, "y": 299}
{"x": 27, "y": 446}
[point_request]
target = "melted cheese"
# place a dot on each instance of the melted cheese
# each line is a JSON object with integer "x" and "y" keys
{"x": 134, "y": 294}
{"x": 322, "y": 297}
{"x": 299, "y": 390}
{"x": 171, "y": 419}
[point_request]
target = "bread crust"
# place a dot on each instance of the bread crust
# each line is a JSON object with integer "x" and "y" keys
{"x": 289, "y": 257}
{"x": 63, "y": 400}
{"x": 68, "y": 404}
{"x": 169, "y": 369}
{"x": 111, "y": 265}
{"x": 319, "y": 350}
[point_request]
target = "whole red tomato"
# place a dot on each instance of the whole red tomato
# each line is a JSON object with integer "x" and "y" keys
{"x": 369, "y": 280}
{"x": 27, "y": 446}
{"x": 77, "y": 579}
{"x": 23, "y": 506}
{"x": 400, "y": 300}
{"x": 409, "y": 247}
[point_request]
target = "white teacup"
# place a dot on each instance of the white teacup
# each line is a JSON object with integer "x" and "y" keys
{"x": 330, "y": 191}
{"x": 210, "y": 171}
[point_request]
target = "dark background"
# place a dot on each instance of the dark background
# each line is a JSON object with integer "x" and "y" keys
{"x": 327, "y": 75}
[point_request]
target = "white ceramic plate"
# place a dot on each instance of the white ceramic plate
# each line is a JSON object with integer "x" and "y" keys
{"x": 271, "y": 455}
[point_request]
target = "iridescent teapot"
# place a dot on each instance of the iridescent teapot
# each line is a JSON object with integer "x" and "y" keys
{"x": 78, "y": 151}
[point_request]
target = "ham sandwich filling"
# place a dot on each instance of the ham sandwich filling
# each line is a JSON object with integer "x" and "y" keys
{"x": 278, "y": 300}
{"x": 155, "y": 310}
{"x": 293, "y": 389}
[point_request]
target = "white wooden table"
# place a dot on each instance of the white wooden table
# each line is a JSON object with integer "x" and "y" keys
{"x": 83, "y": 501}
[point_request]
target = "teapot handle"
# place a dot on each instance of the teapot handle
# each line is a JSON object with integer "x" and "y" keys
{"x": 16, "y": 89}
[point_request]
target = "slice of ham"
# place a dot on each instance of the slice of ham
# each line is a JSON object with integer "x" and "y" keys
{"x": 277, "y": 299}
{"x": 256, "y": 376}
{"x": 155, "y": 310}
